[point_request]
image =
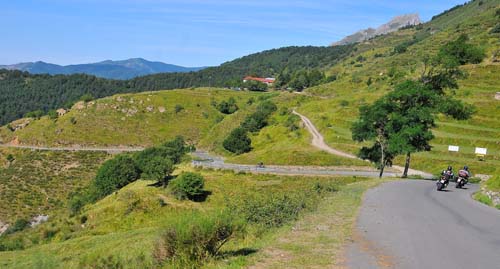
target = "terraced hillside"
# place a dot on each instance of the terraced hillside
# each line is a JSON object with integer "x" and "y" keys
{"x": 375, "y": 61}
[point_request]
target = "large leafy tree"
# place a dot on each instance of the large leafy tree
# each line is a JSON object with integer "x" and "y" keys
{"x": 401, "y": 121}
{"x": 372, "y": 125}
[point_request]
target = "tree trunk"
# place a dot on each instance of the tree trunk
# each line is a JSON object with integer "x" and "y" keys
{"x": 382, "y": 160}
{"x": 382, "y": 170}
{"x": 407, "y": 165}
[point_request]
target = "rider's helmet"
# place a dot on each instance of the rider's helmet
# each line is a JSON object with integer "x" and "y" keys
{"x": 466, "y": 168}
{"x": 450, "y": 168}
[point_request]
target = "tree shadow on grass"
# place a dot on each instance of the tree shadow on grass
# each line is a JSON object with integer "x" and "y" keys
{"x": 160, "y": 183}
{"x": 202, "y": 197}
{"x": 239, "y": 252}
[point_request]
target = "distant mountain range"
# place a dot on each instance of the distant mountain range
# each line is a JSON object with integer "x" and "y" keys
{"x": 395, "y": 24}
{"x": 125, "y": 69}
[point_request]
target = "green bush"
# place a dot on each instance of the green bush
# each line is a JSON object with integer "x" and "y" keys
{"x": 188, "y": 186}
{"x": 238, "y": 141}
{"x": 87, "y": 97}
{"x": 178, "y": 108}
{"x": 228, "y": 107}
{"x": 461, "y": 51}
{"x": 10, "y": 158}
{"x": 271, "y": 210}
{"x": 52, "y": 114}
{"x": 158, "y": 168}
{"x": 496, "y": 29}
{"x": 115, "y": 174}
{"x": 18, "y": 226}
{"x": 37, "y": 114}
{"x": 193, "y": 239}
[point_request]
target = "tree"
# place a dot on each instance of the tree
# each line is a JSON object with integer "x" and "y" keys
{"x": 159, "y": 169}
{"x": 238, "y": 141}
{"x": 255, "y": 86}
{"x": 372, "y": 126}
{"x": 414, "y": 107}
{"x": 188, "y": 185}
{"x": 114, "y": 174}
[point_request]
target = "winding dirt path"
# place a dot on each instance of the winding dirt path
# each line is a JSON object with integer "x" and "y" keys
{"x": 319, "y": 142}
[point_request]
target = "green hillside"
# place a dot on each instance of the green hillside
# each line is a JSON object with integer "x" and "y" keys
{"x": 21, "y": 92}
{"x": 126, "y": 228}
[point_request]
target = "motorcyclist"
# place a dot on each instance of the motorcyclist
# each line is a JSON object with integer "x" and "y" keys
{"x": 465, "y": 174}
{"x": 448, "y": 173}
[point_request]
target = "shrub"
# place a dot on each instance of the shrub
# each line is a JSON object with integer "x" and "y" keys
{"x": 257, "y": 86}
{"x": 461, "y": 51}
{"x": 228, "y": 107}
{"x": 87, "y": 97}
{"x": 10, "y": 158}
{"x": 369, "y": 82}
{"x": 194, "y": 239}
{"x": 271, "y": 211}
{"x": 18, "y": 226}
{"x": 178, "y": 108}
{"x": 291, "y": 121}
{"x": 496, "y": 29}
{"x": 238, "y": 141}
{"x": 37, "y": 114}
{"x": 188, "y": 186}
{"x": 115, "y": 174}
{"x": 173, "y": 150}
{"x": 53, "y": 114}
{"x": 157, "y": 168}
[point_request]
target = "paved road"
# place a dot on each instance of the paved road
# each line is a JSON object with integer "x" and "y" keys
{"x": 319, "y": 142}
{"x": 206, "y": 160}
{"x": 408, "y": 224}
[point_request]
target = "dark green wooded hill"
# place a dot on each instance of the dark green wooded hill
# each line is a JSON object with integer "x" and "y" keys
{"x": 21, "y": 92}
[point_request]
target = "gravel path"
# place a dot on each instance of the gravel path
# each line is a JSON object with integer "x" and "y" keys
{"x": 408, "y": 224}
{"x": 319, "y": 142}
{"x": 75, "y": 148}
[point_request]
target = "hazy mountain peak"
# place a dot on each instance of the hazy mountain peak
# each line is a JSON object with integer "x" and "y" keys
{"x": 123, "y": 69}
{"x": 393, "y": 25}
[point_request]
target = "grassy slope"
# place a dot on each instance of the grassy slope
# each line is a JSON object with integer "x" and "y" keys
{"x": 108, "y": 121}
{"x": 316, "y": 240}
{"x": 105, "y": 123}
{"x": 39, "y": 182}
{"x": 483, "y": 130}
{"x": 127, "y": 224}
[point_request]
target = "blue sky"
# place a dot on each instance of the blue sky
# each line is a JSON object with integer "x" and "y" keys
{"x": 184, "y": 32}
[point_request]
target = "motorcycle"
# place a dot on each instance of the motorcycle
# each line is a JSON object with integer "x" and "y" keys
{"x": 442, "y": 182}
{"x": 461, "y": 179}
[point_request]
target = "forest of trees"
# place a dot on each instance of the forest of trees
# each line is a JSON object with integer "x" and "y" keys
{"x": 21, "y": 92}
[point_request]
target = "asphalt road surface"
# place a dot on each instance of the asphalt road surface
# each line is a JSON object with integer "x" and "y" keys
{"x": 203, "y": 159}
{"x": 408, "y": 224}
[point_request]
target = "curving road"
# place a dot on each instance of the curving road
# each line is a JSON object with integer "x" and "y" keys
{"x": 204, "y": 159}
{"x": 408, "y": 224}
{"x": 319, "y": 142}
